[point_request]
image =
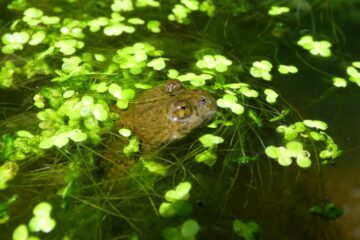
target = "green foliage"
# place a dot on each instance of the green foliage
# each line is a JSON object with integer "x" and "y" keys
{"x": 8, "y": 171}
{"x": 261, "y": 69}
{"x": 275, "y": 10}
{"x": 6, "y": 74}
{"x": 155, "y": 167}
{"x": 317, "y": 48}
{"x": 132, "y": 147}
{"x": 230, "y": 101}
{"x": 217, "y": 62}
{"x": 87, "y": 66}
{"x": 40, "y": 222}
{"x": 287, "y": 69}
{"x": 327, "y": 210}
{"x": 176, "y": 204}
{"x": 295, "y": 136}
{"x": 4, "y": 207}
{"x": 247, "y": 231}
{"x": 186, "y": 231}
{"x": 271, "y": 95}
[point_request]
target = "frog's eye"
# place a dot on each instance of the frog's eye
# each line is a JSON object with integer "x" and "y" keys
{"x": 181, "y": 110}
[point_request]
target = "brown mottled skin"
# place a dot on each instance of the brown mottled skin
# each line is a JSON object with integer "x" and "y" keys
{"x": 167, "y": 112}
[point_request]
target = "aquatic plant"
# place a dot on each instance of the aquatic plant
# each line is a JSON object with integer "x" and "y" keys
{"x": 83, "y": 63}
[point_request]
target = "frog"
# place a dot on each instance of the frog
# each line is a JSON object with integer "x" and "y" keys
{"x": 167, "y": 113}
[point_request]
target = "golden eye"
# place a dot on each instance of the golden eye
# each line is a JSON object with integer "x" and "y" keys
{"x": 181, "y": 110}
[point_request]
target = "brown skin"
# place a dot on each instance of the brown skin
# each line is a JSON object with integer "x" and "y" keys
{"x": 167, "y": 113}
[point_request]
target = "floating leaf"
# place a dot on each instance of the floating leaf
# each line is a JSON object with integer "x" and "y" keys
{"x": 125, "y": 132}
{"x": 154, "y": 167}
{"x": 189, "y": 228}
{"x": 339, "y": 82}
{"x": 316, "y": 124}
{"x": 210, "y": 140}
{"x": 275, "y": 10}
{"x": 181, "y": 192}
{"x": 77, "y": 135}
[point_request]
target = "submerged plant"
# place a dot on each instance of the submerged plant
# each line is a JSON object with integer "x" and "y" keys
{"x": 83, "y": 68}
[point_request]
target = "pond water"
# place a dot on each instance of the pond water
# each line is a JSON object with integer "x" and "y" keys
{"x": 255, "y": 171}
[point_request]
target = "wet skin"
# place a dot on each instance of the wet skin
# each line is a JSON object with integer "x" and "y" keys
{"x": 167, "y": 113}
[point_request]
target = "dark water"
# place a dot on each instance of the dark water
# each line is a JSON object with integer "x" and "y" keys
{"x": 272, "y": 198}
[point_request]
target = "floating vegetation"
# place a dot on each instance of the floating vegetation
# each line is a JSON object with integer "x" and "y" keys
{"x": 69, "y": 70}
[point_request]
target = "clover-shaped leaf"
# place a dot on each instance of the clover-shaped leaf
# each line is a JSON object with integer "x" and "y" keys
{"x": 42, "y": 220}
{"x": 230, "y": 101}
{"x": 168, "y": 210}
{"x": 100, "y": 112}
{"x": 286, "y": 69}
{"x": 208, "y": 157}
{"x": 157, "y": 64}
{"x": 154, "y": 26}
{"x": 247, "y": 231}
{"x": 181, "y": 192}
{"x": 119, "y": 93}
{"x": 261, "y": 69}
{"x": 271, "y": 95}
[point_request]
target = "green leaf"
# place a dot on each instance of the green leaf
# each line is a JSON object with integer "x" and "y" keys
{"x": 156, "y": 168}
{"x": 181, "y": 208}
{"x": 132, "y": 147}
{"x": 125, "y": 132}
{"x": 275, "y": 10}
{"x": 272, "y": 152}
{"x": 50, "y": 20}
{"x": 172, "y": 233}
{"x": 284, "y": 158}
{"x": 303, "y": 160}
{"x": 100, "y": 113}
{"x": 46, "y": 143}
{"x": 286, "y": 69}
{"x": 261, "y": 69}
{"x": 20, "y": 233}
{"x": 77, "y": 135}
{"x": 210, "y": 140}
{"x": 208, "y": 157}
{"x": 294, "y": 147}
{"x": 315, "y": 124}
{"x": 60, "y": 140}
{"x": 181, "y": 192}
{"x": 157, "y": 64}
{"x": 42, "y": 220}
{"x": 248, "y": 231}
{"x": 154, "y": 26}
{"x": 189, "y": 228}
{"x": 37, "y": 38}
{"x": 33, "y": 13}
{"x": 339, "y": 82}
{"x": 271, "y": 95}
